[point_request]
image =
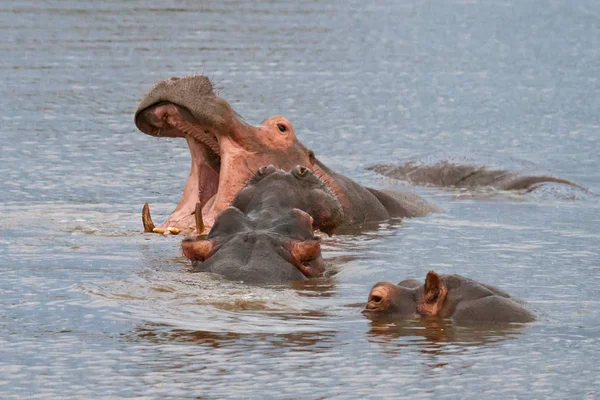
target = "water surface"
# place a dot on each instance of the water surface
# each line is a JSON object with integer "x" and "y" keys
{"x": 93, "y": 308}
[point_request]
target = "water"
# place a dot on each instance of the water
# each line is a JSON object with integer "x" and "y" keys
{"x": 93, "y": 308}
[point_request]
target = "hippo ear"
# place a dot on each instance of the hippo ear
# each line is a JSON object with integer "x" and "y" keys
{"x": 305, "y": 255}
{"x": 305, "y": 250}
{"x": 197, "y": 249}
{"x": 434, "y": 294}
{"x": 303, "y": 217}
{"x": 325, "y": 214}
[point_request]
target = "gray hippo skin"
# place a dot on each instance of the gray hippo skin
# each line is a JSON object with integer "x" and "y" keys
{"x": 267, "y": 235}
{"x": 449, "y": 174}
{"x": 445, "y": 296}
{"x": 226, "y": 151}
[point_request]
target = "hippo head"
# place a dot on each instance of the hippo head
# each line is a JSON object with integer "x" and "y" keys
{"x": 225, "y": 150}
{"x": 409, "y": 299}
{"x": 267, "y": 234}
{"x": 272, "y": 189}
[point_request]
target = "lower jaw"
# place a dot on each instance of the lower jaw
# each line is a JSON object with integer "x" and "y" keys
{"x": 186, "y": 222}
{"x": 199, "y": 194}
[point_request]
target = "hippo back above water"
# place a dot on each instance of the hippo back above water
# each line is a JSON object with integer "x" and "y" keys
{"x": 464, "y": 175}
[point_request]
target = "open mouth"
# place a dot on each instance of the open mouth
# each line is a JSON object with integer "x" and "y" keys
{"x": 225, "y": 150}
{"x": 166, "y": 119}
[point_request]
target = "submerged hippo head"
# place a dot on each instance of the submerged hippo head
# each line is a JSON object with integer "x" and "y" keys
{"x": 267, "y": 234}
{"x": 445, "y": 296}
{"x": 225, "y": 150}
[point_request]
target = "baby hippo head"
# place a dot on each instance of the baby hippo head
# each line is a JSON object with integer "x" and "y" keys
{"x": 446, "y": 296}
{"x": 409, "y": 299}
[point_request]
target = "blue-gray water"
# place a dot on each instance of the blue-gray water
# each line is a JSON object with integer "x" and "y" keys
{"x": 92, "y": 308}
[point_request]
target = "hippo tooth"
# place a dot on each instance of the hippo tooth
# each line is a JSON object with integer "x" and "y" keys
{"x": 173, "y": 230}
{"x": 147, "y": 219}
{"x": 159, "y": 230}
{"x": 198, "y": 216}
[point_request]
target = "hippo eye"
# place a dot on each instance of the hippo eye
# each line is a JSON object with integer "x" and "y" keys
{"x": 281, "y": 127}
{"x": 376, "y": 299}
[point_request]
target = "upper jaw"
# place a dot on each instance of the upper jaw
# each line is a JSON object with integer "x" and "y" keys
{"x": 193, "y": 92}
{"x": 195, "y": 101}
{"x": 172, "y": 120}
{"x": 152, "y": 123}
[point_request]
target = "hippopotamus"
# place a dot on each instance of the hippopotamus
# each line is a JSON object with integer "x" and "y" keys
{"x": 450, "y": 174}
{"x": 266, "y": 235}
{"x": 445, "y": 296}
{"x": 226, "y": 151}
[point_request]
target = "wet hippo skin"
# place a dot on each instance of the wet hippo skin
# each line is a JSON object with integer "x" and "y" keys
{"x": 267, "y": 234}
{"x": 226, "y": 151}
{"x": 467, "y": 176}
{"x": 445, "y": 296}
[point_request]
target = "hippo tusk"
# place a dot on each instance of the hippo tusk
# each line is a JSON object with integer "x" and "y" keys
{"x": 149, "y": 225}
{"x": 167, "y": 231}
{"x": 147, "y": 219}
{"x": 198, "y": 216}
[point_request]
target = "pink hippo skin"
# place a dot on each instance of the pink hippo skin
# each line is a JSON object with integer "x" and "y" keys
{"x": 226, "y": 152}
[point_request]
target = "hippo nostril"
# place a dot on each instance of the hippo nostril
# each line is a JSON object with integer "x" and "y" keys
{"x": 376, "y": 299}
{"x": 281, "y": 127}
{"x": 266, "y": 170}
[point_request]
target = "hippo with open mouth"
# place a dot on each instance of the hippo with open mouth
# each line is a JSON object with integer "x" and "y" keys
{"x": 226, "y": 151}
{"x": 445, "y": 296}
{"x": 267, "y": 235}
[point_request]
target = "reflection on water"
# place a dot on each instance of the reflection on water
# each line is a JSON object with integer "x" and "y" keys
{"x": 91, "y": 307}
{"x": 299, "y": 341}
{"x": 434, "y": 333}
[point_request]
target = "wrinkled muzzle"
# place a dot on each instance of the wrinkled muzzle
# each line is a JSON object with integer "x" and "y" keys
{"x": 257, "y": 257}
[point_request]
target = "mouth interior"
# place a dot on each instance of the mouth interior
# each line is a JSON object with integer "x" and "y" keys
{"x": 167, "y": 119}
